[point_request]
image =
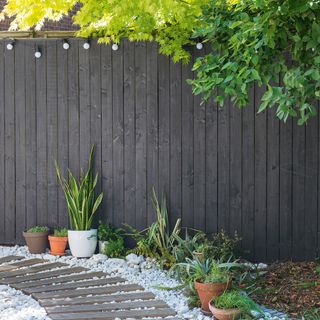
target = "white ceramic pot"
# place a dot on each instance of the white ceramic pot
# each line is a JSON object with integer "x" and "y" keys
{"x": 82, "y": 243}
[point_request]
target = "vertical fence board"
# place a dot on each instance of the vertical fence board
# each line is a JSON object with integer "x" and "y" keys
{"x": 62, "y": 126}
{"x": 141, "y": 136}
{"x": 20, "y": 128}
{"x": 2, "y": 150}
{"x": 9, "y": 147}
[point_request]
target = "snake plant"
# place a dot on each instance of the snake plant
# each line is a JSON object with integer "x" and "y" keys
{"x": 80, "y": 196}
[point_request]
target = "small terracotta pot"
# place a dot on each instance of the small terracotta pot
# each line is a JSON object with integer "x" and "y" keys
{"x": 224, "y": 314}
{"x": 208, "y": 291}
{"x": 198, "y": 255}
{"x": 37, "y": 242}
{"x": 58, "y": 245}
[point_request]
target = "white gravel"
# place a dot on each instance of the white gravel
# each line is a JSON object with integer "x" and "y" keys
{"x": 14, "y": 305}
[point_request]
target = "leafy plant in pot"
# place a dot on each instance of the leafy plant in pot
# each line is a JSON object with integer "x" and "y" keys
{"x": 231, "y": 305}
{"x": 82, "y": 206}
{"x": 111, "y": 240}
{"x": 210, "y": 278}
{"x": 58, "y": 241}
{"x": 37, "y": 239}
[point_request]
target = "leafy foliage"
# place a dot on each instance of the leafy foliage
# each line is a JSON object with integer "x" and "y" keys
{"x": 169, "y": 22}
{"x": 252, "y": 42}
{"x": 235, "y": 299}
{"x": 80, "y": 196}
{"x": 36, "y": 229}
{"x": 60, "y": 232}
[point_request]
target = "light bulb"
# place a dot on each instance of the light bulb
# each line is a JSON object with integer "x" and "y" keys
{"x": 115, "y": 47}
{"x": 199, "y": 45}
{"x": 10, "y": 46}
{"x": 86, "y": 45}
{"x": 37, "y": 54}
{"x": 66, "y": 45}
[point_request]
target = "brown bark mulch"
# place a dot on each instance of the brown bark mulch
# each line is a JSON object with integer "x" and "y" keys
{"x": 291, "y": 287}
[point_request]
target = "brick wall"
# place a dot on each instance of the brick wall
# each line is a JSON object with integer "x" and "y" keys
{"x": 64, "y": 25}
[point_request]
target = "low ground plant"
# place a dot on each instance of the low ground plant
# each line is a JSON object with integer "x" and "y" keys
{"x": 60, "y": 232}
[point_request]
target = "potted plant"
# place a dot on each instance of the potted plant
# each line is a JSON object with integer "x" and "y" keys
{"x": 111, "y": 240}
{"x": 198, "y": 253}
{"x": 82, "y": 206}
{"x": 58, "y": 241}
{"x": 37, "y": 239}
{"x": 231, "y": 305}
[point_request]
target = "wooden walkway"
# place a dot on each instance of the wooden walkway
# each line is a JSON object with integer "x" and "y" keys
{"x": 74, "y": 293}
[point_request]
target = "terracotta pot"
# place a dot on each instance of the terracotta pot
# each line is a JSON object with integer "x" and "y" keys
{"x": 37, "y": 242}
{"x": 224, "y": 314}
{"x": 198, "y": 255}
{"x": 58, "y": 245}
{"x": 208, "y": 291}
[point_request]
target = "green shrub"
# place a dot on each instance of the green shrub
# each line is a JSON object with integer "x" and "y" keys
{"x": 235, "y": 299}
{"x": 38, "y": 229}
{"x": 60, "y": 232}
{"x": 115, "y": 248}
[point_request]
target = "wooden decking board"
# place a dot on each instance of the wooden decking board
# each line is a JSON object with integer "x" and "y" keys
{"x": 136, "y": 314}
{"x": 97, "y": 299}
{"x": 26, "y": 271}
{"x": 108, "y": 306}
{"x": 59, "y": 280}
{"x": 26, "y": 263}
{"x": 86, "y": 292}
{"x": 42, "y": 275}
{"x": 10, "y": 258}
{"x": 73, "y": 285}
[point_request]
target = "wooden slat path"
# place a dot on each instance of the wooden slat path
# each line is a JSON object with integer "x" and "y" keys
{"x": 74, "y": 285}
{"x": 42, "y": 275}
{"x": 56, "y": 280}
{"x": 68, "y": 295}
{"x": 10, "y": 258}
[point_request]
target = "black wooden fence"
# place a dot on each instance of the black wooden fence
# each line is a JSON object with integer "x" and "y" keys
{"x": 221, "y": 168}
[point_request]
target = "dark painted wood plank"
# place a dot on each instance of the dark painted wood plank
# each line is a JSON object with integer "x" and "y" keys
{"x": 199, "y": 210}
{"x": 27, "y": 262}
{"x": 187, "y": 183}
{"x": 20, "y": 137}
{"x": 298, "y": 191}
{"x": 152, "y": 127}
{"x": 10, "y": 258}
{"x": 73, "y": 285}
{"x": 141, "y": 133}
{"x": 41, "y": 127}
{"x": 63, "y": 126}
{"x": 311, "y": 192}
{"x": 52, "y": 133}
{"x": 247, "y": 234}
{"x": 175, "y": 196}
{"x": 95, "y": 115}
{"x": 25, "y": 271}
{"x": 2, "y": 145}
{"x": 164, "y": 122}
{"x": 136, "y": 314}
{"x": 285, "y": 201}
{"x": 108, "y": 306}
{"x": 273, "y": 187}
{"x": 74, "y": 109}
{"x": 106, "y": 133}
{"x": 9, "y": 147}
{"x": 260, "y": 179}
{"x": 118, "y": 136}
{"x": 235, "y": 169}
{"x": 85, "y": 292}
{"x": 129, "y": 133}
{"x": 97, "y": 299}
{"x": 84, "y": 105}
{"x": 31, "y": 137}
{"x": 42, "y": 275}
{"x": 56, "y": 280}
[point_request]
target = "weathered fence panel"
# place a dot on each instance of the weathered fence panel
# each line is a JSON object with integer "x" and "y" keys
{"x": 221, "y": 168}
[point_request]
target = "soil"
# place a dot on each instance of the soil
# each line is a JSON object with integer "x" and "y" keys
{"x": 291, "y": 287}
